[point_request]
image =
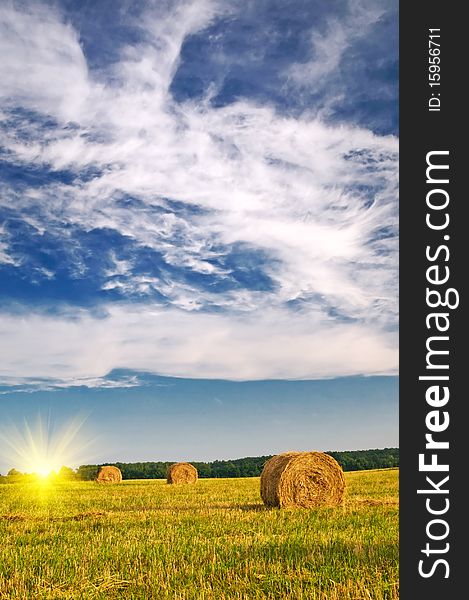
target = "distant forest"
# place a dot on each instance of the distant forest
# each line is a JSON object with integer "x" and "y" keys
{"x": 353, "y": 460}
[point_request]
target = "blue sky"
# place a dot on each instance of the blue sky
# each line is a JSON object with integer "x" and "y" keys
{"x": 203, "y": 190}
{"x": 164, "y": 418}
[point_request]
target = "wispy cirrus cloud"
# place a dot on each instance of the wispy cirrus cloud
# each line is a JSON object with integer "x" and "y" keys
{"x": 270, "y": 236}
{"x": 30, "y": 385}
{"x": 328, "y": 45}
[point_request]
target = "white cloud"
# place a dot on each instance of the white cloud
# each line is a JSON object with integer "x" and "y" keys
{"x": 42, "y": 66}
{"x": 257, "y": 345}
{"x": 5, "y": 256}
{"x": 31, "y": 385}
{"x": 288, "y": 186}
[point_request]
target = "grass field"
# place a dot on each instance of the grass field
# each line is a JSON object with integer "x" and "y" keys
{"x": 146, "y": 540}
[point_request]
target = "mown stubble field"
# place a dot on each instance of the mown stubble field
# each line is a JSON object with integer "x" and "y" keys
{"x": 213, "y": 541}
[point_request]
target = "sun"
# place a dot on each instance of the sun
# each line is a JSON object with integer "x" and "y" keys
{"x": 42, "y": 449}
{"x": 44, "y": 469}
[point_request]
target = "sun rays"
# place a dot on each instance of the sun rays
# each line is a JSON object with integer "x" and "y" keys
{"x": 42, "y": 448}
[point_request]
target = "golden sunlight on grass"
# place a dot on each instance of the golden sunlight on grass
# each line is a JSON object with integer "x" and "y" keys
{"x": 215, "y": 540}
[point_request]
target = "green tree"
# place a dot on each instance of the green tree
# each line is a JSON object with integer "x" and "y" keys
{"x": 66, "y": 473}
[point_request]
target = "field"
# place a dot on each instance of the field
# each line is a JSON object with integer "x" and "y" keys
{"x": 213, "y": 541}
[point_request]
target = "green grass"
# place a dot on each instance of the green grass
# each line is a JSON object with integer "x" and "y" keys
{"x": 213, "y": 541}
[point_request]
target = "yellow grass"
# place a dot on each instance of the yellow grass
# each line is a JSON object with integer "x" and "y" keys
{"x": 213, "y": 541}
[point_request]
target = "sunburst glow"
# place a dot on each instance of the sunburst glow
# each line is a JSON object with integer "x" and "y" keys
{"x": 43, "y": 449}
{"x": 44, "y": 469}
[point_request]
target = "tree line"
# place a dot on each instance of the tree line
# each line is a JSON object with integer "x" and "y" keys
{"x": 353, "y": 460}
{"x": 251, "y": 466}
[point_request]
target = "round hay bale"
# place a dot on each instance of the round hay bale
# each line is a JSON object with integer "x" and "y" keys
{"x": 182, "y": 473}
{"x": 109, "y": 474}
{"x": 305, "y": 479}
